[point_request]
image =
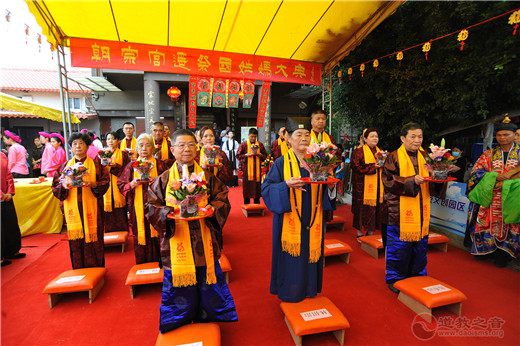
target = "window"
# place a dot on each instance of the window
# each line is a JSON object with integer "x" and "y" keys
{"x": 75, "y": 103}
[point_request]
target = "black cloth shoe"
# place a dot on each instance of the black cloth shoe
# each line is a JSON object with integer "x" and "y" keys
{"x": 17, "y": 256}
{"x": 5, "y": 263}
{"x": 392, "y": 288}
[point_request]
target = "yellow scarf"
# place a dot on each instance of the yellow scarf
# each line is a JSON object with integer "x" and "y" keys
{"x": 201, "y": 160}
{"x": 324, "y": 138}
{"x": 410, "y": 207}
{"x": 252, "y": 174}
{"x": 164, "y": 149}
{"x": 372, "y": 181}
{"x": 291, "y": 226}
{"x": 139, "y": 206}
{"x": 283, "y": 146}
{"x": 181, "y": 253}
{"x": 133, "y": 144}
{"x": 77, "y": 228}
{"x": 119, "y": 199}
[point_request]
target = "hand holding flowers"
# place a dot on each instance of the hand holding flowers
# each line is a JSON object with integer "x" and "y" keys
{"x": 187, "y": 192}
{"x": 143, "y": 168}
{"x": 440, "y": 162}
{"x": 319, "y": 160}
{"x": 72, "y": 176}
{"x": 105, "y": 155}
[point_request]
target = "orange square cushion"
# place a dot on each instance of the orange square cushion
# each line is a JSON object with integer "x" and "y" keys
{"x": 436, "y": 238}
{"x": 115, "y": 238}
{"x": 413, "y": 287}
{"x": 206, "y": 333}
{"x": 224, "y": 263}
{"x": 301, "y": 327}
{"x": 253, "y": 206}
{"x": 336, "y": 250}
{"x": 91, "y": 279}
{"x": 374, "y": 241}
{"x": 143, "y": 279}
{"x": 337, "y": 220}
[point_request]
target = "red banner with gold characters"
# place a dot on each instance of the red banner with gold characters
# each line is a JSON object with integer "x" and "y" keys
{"x": 192, "y": 107}
{"x": 262, "y": 105}
{"x": 144, "y": 57}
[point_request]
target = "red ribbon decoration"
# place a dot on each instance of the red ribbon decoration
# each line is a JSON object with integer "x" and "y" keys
{"x": 192, "y": 108}
{"x": 262, "y": 108}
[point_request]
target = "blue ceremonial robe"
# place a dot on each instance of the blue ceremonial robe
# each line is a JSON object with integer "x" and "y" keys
{"x": 293, "y": 278}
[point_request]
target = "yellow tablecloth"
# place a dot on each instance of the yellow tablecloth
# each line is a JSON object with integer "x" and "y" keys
{"x": 37, "y": 209}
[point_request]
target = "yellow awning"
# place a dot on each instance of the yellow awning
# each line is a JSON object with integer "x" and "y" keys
{"x": 14, "y": 104}
{"x": 315, "y": 31}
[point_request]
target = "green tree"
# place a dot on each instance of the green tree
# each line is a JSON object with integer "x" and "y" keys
{"x": 451, "y": 88}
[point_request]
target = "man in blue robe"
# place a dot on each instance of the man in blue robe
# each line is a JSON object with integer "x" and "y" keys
{"x": 293, "y": 278}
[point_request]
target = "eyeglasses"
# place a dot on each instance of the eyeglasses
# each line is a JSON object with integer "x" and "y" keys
{"x": 182, "y": 146}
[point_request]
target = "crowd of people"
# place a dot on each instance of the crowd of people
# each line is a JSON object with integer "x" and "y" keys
{"x": 391, "y": 197}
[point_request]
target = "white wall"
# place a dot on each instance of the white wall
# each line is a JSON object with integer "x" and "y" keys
{"x": 48, "y": 99}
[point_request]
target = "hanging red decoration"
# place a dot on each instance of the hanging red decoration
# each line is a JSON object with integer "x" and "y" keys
{"x": 362, "y": 69}
{"x": 426, "y": 48}
{"x": 514, "y": 18}
{"x": 339, "y": 76}
{"x": 349, "y": 71}
{"x": 399, "y": 57}
{"x": 462, "y": 36}
{"x": 174, "y": 93}
{"x": 375, "y": 64}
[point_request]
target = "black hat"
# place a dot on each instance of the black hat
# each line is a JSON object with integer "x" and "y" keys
{"x": 506, "y": 125}
{"x": 296, "y": 123}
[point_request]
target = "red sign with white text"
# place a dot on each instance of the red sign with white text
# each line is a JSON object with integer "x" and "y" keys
{"x": 262, "y": 105}
{"x": 151, "y": 58}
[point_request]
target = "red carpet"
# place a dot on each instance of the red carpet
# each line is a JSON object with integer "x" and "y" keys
{"x": 358, "y": 289}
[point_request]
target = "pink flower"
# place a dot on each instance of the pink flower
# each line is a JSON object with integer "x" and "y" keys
{"x": 191, "y": 187}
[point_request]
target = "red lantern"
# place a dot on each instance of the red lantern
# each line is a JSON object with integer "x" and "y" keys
{"x": 174, "y": 93}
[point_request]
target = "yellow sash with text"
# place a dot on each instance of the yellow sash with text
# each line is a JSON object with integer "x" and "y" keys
{"x": 372, "y": 181}
{"x": 253, "y": 174}
{"x": 410, "y": 207}
{"x": 133, "y": 144}
{"x": 283, "y": 146}
{"x": 76, "y": 227}
{"x": 164, "y": 149}
{"x": 119, "y": 199}
{"x": 291, "y": 226}
{"x": 324, "y": 138}
{"x": 139, "y": 206}
{"x": 181, "y": 253}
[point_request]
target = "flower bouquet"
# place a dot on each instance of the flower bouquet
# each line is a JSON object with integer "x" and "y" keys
{"x": 319, "y": 160}
{"x": 266, "y": 164}
{"x": 211, "y": 152}
{"x": 105, "y": 155}
{"x": 73, "y": 175}
{"x": 143, "y": 168}
{"x": 188, "y": 192}
{"x": 440, "y": 162}
{"x": 157, "y": 151}
{"x": 381, "y": 157}
{"x": 254, "y": 148}
{"x": 131, "y": 153}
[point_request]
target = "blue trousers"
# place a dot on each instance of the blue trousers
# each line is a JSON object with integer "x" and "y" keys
{"x": 197, "y": 303}
{"x": 404, "y": 259}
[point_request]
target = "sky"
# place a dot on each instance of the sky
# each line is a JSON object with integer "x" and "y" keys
{"x": 18, "y": 49}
